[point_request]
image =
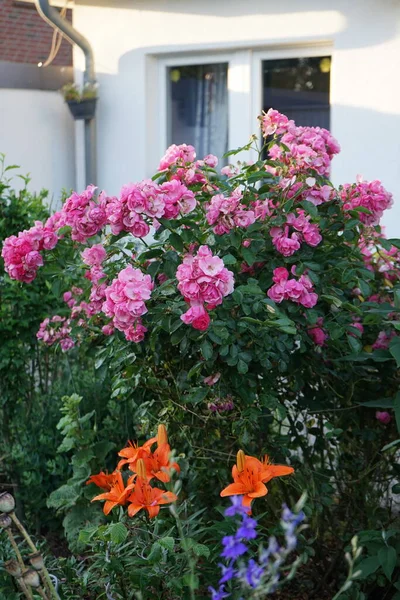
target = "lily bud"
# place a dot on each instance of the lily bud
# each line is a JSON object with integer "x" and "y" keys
{"x": 7, "y": 502}
{"x": 31, "y": 578}
{"x": 5, "y": 521}
{"x": 13, "y": 568}
{"x": 162, "y": 437}
{"x": 240, "y": 461}
{"x": 37, "y": 561}
{"x": 141, "y": 469}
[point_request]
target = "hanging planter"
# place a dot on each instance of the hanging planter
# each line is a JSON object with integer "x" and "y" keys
{"x": 81, "y": 104}
{"x": 83, "y": 109}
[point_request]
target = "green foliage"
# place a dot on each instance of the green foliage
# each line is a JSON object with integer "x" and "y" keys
{"x": 308, "y": 405}
{"x": 32, "y": 378}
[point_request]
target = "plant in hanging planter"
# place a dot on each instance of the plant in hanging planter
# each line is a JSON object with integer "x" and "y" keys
{"x": 82, "y": 104}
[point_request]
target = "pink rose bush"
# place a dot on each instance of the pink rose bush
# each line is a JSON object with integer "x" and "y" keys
{"x": 266, "y": 219}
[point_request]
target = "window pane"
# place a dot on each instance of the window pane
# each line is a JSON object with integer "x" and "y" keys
{"x": 299, "y": 88}
{"x": 198, "y": 107}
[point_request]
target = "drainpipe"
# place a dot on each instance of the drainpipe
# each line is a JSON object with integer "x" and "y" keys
{"x": 53, "y": 18}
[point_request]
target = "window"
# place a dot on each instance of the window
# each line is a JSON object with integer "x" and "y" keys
{"x": 299, "y": 88}
{"x": 212, "y": 100}
{"x": 197, "y": 107}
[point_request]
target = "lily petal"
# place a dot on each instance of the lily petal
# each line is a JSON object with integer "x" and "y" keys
{"x": 234, "y": 489}
{"x": 133, "y": 509}
{"x": 272, "y": 471}
{"x": 153, "y": 511}
{"x": 260, "y": 490}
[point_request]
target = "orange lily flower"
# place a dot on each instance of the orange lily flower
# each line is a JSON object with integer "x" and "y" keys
{"x": 102, "y": 480}
{"x": 118, "y": 493}
{"x": 250, "y": 475}
{"x": 146, "y": 497}
{"x": 158, "y": 464}
{"x": 133, "y": 452}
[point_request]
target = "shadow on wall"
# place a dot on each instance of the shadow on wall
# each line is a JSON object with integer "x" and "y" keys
{"x": 384, "y": 14}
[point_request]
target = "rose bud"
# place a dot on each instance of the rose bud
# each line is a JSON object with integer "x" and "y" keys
{"x": 37, "y": 561}
{"x": 13, "y": 568}
{"x": 31, "y": 578}
{"x": 7, "y": 502}
{"x": 5, "y": 521}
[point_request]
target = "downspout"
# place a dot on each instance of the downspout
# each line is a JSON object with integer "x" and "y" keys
{"x": 53, "y": 18}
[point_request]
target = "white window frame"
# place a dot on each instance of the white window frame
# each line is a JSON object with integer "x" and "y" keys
{"x": 244, "y": 85}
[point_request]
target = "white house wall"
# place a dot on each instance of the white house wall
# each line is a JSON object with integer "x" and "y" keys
{"x": 129, "y": 35}
{"x": 37, "y": 133}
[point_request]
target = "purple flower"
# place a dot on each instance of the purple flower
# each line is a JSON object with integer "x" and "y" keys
{"x": 220, "y": 594}
{"x": 273, "y": 548}
{"x": 289, "y": 517}
{"x": 227, "y": 573}
{"x": 233, "y": 548}
{"x": 254, "y": 573}
{"x": 247, "y": 530}
{"x": 237, "y": 507}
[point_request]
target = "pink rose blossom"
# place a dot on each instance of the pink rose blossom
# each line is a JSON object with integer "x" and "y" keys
{"x": 94, "y": 255}
{"x": 317, "y": 333}
{"x": 204, "y": 281}
{"x": 383, "y": 416}
{"x": 383, "y": 340}
{"x": 56, "y": 329}
{"x": 108, "y": 329}
{"x": 125, "y": 302}
{"x": 212, "y": 379}
{"x": 274, "y": 122}
{"x": 300, "y": 292}
{"x": 370, "y": 195}
{"x": 177, "y": 155}
{"x": 225, "y": 213}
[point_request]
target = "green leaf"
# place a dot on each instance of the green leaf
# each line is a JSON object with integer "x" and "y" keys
{"x": 248, "y": 256}
{"x": 229, "y": 259}
{"x": 368, "y": 566}
{"x": 310, "y": 208}
{"x": 178, "y": 336}
{"x": 118, "y": 533}
{"x": 176, "y": 241}
{"x": 191, "y": 580}
{"x": 197, "y": 395}
{"x": 397, "y": 410}
{"x": 242, "y": 367}
{"x": 167, "y": 542}
{"x": 395, "y": 242}
{"x": 387, "y": 558}
{"x": 379, "y": 403}
{"x": 206, "y": 349}
{"x": 391, "y": 445}
{"x": 64, "y": 497}
{"x": 201, "y": 550}
{"x": 394, "y": 349}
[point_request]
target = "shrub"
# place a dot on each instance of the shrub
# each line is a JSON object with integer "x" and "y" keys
{"x": 261, "y": 314}
{"x": 32, "y": 377}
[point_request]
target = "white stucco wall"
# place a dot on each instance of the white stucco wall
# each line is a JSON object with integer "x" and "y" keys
{"x": 37, "y": 133}
{"x": 365, "y": 86}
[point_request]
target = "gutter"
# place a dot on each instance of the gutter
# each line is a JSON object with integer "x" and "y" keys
{"x": 53, "y": 18}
